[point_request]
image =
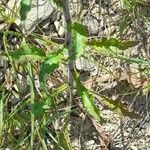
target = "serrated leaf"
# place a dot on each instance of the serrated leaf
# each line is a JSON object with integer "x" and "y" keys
{"x": 25, "y": 6}
{"x": 120, "y": 44}
{"x": 87, "y": 101}
{"x": 27, "y": 53}
{"x": 79, "y": 39}
{"x": 49, "y": 65}
{"x": 116, "y": 54}
{"x": 116, "y": 105}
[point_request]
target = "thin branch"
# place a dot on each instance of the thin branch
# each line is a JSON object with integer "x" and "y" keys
{"x": 65, "y": 5}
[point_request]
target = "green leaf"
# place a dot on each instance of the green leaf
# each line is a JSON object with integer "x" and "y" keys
{"x": 87, "y": 101}
{"x": 27, "y": 53}
{"x": 80, "y": 29}
{"x": 49, "y": 65}
{"x": 57, "y": 2}
{"x": 79, "y": 39}
{"x": 128, "y": 4}
{"x": 120, "y": 44}
{"x": 48, "y": 102}
{"x": 64, "y": 140}
{"x": 58, "y": 90}
{"x": 116, "y": 105}
{"x": 38, "y": 108}
{"x": 116, "y": 54}
{"x": 25, "y": 7}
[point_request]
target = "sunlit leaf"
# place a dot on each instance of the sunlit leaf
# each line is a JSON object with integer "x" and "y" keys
{"x": 120, "y": 44}
{"x": 58, "y": 90}
{"x": 25, "y": 7}
{"x": 87, "y": 101}
{"x": 127, "y": 4}
{"x": 49, "y": 65}
{"x": 112, "y": 52}
{"x": 79, "y": 39}
{"x": 27, "y": 53}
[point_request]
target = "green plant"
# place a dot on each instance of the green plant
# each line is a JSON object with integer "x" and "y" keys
{"x": 33, "y": 119}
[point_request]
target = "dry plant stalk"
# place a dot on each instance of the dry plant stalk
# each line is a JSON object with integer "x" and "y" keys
{"x": 65, "y": 5}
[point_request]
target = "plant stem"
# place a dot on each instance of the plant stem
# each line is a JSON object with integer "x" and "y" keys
{"x": 32, "y": 97}
{"x": 65, "y": 5}
{"x": 1, "y": 115}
